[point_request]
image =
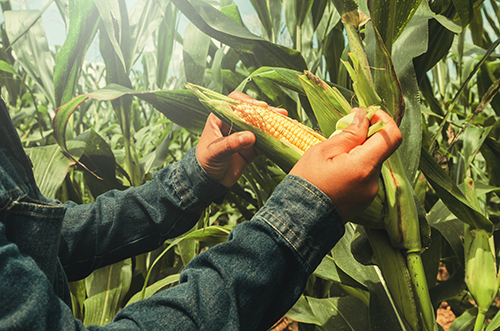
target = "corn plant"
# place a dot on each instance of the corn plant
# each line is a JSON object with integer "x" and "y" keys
{"x": 413, "y": 59}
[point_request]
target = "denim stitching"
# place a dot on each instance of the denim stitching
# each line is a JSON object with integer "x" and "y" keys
{"x": 178, "y": 183}
{"x": 7, "y": 204}
{"x": 43, "y": 204}
{"x": 12, "y": 192}
{"x": 11, "y": 203}
{"x": 285, "y": 237}
{"x": 293, "y": 180}
{"x": 202, "y": 170}
{"x": 53, "y": 207}
{"x": 303, "y": 245}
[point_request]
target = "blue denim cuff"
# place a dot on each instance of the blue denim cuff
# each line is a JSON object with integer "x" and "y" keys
{"x": 305, "y": 217}
{"x": 195, "y": 187}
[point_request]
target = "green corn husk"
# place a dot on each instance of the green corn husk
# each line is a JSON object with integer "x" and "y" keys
{"x": 480, "y": 262}
{"x": 345, "y": 121}
{"x": 373, "y": 216}
{"x": 284, "y": 154}
{"x": 280, "y": 151}
{"x": 480, "y": 269}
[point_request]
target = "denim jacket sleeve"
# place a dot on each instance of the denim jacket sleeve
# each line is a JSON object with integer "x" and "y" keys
{"x": 253, "y": 279}
{"x": 246, "y": 283}
{"x": 121, "y": 224}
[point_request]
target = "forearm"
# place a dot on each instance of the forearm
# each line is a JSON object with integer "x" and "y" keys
{"x": 253, "y": 279}
{"x": 119, "y": 224}
{"x": 27, "y": 299}
{"x": 244, "y": 284}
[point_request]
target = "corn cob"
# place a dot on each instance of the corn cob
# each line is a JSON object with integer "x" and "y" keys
{"x": 278, "y": 125}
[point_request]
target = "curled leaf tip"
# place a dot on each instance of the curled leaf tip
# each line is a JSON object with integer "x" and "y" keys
{"x": 355, "y": 18}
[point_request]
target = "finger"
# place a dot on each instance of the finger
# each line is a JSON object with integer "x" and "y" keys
{"x": 351, "y": 137}
{"x": 246, "y": 98}
{"x": 380, "y": 116}
{"x": 382, "y": 144}
{"x": 282, "y": 111}
{"x": 234, "y": 143}
{"x": 213, "y": 122}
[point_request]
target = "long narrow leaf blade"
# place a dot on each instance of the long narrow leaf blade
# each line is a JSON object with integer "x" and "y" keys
{"x": 255, "y": 51}
{"x": 451, "y": 195}
{"x": 84, "y": 21}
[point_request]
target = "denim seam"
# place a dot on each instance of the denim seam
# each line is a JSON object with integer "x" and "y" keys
{"x": 14, "y": 202}
{"x": 317, "y": 196}
{"x": 286, "y": 238}
{"x": 39, "y": 204}
{"x": 8, "y": 197}
{"x": 202, "y": 170}
{"x": 11, "y": 193}
{"x": 178, "y": 183}
{"x": 44, "y": 204}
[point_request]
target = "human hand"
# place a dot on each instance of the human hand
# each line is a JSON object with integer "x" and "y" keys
{"x": 223, "y": 154}
{"x": 346, "y": 167}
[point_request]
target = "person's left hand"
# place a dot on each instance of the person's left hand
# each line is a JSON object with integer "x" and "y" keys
{"x": 225, "y": 155}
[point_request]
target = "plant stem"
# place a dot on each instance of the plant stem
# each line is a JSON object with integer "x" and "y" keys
{"x": 479, "y": 324}
{"x": 417, "y": 275}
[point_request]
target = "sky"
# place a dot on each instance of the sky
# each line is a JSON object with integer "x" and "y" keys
{"x": 56, "y": 29}
{"x": 54, "y": 25}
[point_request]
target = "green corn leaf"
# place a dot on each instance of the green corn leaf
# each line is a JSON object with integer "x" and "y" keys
{"x": 84, "y": 21}
{"x": 145, "y": 18}
{"x": 363, "y": 83}
{"x": 391, "y": 17}
{"x": 155, "y": 288}
{"x": 451, "y": 195}
{"x": 254, "y": 51}
{"x": 106, "y": 289}
{"x": 111, "y": 18}
{"x": 386, "y": 81}
{"x": 328, "y": 314}
{"x": 32, "y": 49}
{"x": 50, "y": 165}
{"x": 99, "y": 158}
{"x": 195, "y": 51}
{"x": 328, "y": 104}
{"x": 4, "y": 66}
{"x": 180, "y": 106}
{"x": 166, "y": 38}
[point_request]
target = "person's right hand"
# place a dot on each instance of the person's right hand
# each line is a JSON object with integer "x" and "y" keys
{"x": 346, "y": 167}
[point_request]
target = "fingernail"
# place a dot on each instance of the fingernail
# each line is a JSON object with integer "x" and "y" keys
{"x": 360, "y": 116}
{"x": 245, "y": 138}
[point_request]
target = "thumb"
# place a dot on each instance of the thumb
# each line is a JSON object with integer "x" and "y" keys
{"x": 352, "y": 136}
{"x": 234, "y": 143}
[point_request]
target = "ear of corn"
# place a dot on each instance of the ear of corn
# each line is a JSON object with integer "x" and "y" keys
{"x": 278, "y": 150}
{"x": 480, "y": 262}
{"x": 278, "y": 125}
{"x": 480, "y": 267}
{"x": 373, "y": 216}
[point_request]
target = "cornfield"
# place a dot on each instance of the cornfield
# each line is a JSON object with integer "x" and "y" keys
{"x": 90, "y": 127}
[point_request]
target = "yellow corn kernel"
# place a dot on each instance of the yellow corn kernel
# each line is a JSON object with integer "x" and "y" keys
{"x": 278, "y": 125}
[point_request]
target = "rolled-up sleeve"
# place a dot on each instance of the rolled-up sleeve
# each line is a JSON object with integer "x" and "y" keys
{"x": 121, "y": 224}
{"x": 255, "y": 277}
